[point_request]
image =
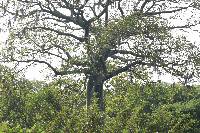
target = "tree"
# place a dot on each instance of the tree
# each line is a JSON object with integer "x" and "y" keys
{"x": 14, "y": 93}
{"x": 99, "y": 39}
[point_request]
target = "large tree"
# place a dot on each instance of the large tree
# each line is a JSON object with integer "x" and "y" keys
{"x": 100, "y": 38}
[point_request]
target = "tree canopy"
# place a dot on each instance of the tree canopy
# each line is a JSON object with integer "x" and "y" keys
{"x": 27, "y": 106}
{"x": 101, "y": 39}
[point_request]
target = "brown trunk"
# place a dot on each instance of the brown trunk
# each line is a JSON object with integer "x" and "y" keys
{"x": 95, "y": 85}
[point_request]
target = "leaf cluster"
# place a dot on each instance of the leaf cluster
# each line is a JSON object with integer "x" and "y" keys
{"x": 60, "y": 107}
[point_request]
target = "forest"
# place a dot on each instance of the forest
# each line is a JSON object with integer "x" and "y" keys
{"x": 35, "y": 107}
{"x": 101, "y": 57}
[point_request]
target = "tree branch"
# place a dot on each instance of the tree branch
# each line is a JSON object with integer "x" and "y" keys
{"x": 59, "y": 33}
{"x": 56, "y": 72}
{"x": 122, "y": 58}
{"x": 144, "y": 4}
{"x": 183, "y": 26}
{"x": 120, "y": 8}
{"x": 172, "y": 11}
{"x": 108, "y": 2}
{"x": 38, "y": 61}
{"x": 126, "y": 52}
{"x": 120, "y": 70}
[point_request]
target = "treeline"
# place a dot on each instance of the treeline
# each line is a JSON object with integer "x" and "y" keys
{"x": 59, "y": 107}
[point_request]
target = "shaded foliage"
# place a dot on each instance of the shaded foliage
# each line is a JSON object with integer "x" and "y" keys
{"x": 60, "y": 107}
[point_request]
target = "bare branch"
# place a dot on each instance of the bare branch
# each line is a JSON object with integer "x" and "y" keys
{"x": 120, "y": 8}
{"x": 63, "y": 49}
{"x": 120, "y": 70}
{"x": 56, "y": 55}
{"x": 56, "y": 72}
{"x": 108, "y": 2}
{"x": 162, "y": 12}
{"x": 75, "y": 71}
{"x": 144, "y": 4}
{"x": 183, "y": 26}
{"x": 149, "y": 8}
{"x": 59, "y": 33}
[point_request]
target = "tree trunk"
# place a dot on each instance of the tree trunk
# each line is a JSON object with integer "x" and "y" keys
{"x": 95, "y": 85}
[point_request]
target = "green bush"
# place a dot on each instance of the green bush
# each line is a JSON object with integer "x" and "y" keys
{"x": 28, "y": 106}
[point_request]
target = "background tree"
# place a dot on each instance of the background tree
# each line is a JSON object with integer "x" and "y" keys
{"x": 99, "y": 39}
{"x": 14, "y": 93}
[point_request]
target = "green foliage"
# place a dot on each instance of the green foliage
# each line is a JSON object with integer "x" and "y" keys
{"x": 28, "y": 106}
{"x": 135, "y": 24}
{"x": 154, "y": 108}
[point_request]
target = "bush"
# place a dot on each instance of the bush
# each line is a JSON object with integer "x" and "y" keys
{"x": 60, "y": 107}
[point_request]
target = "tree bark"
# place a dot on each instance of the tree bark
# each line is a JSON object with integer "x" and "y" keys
{"x": 95, "y": 86}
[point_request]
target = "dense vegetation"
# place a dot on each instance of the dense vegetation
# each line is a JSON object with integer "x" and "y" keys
{"x": 30, "y": 106}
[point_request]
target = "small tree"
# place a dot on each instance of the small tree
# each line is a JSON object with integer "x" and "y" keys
{"x": 98, "y": 38}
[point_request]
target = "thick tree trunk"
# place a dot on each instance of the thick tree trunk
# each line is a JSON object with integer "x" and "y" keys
{"x": 90, "y": 90}
{"x": 95, "y": 86}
